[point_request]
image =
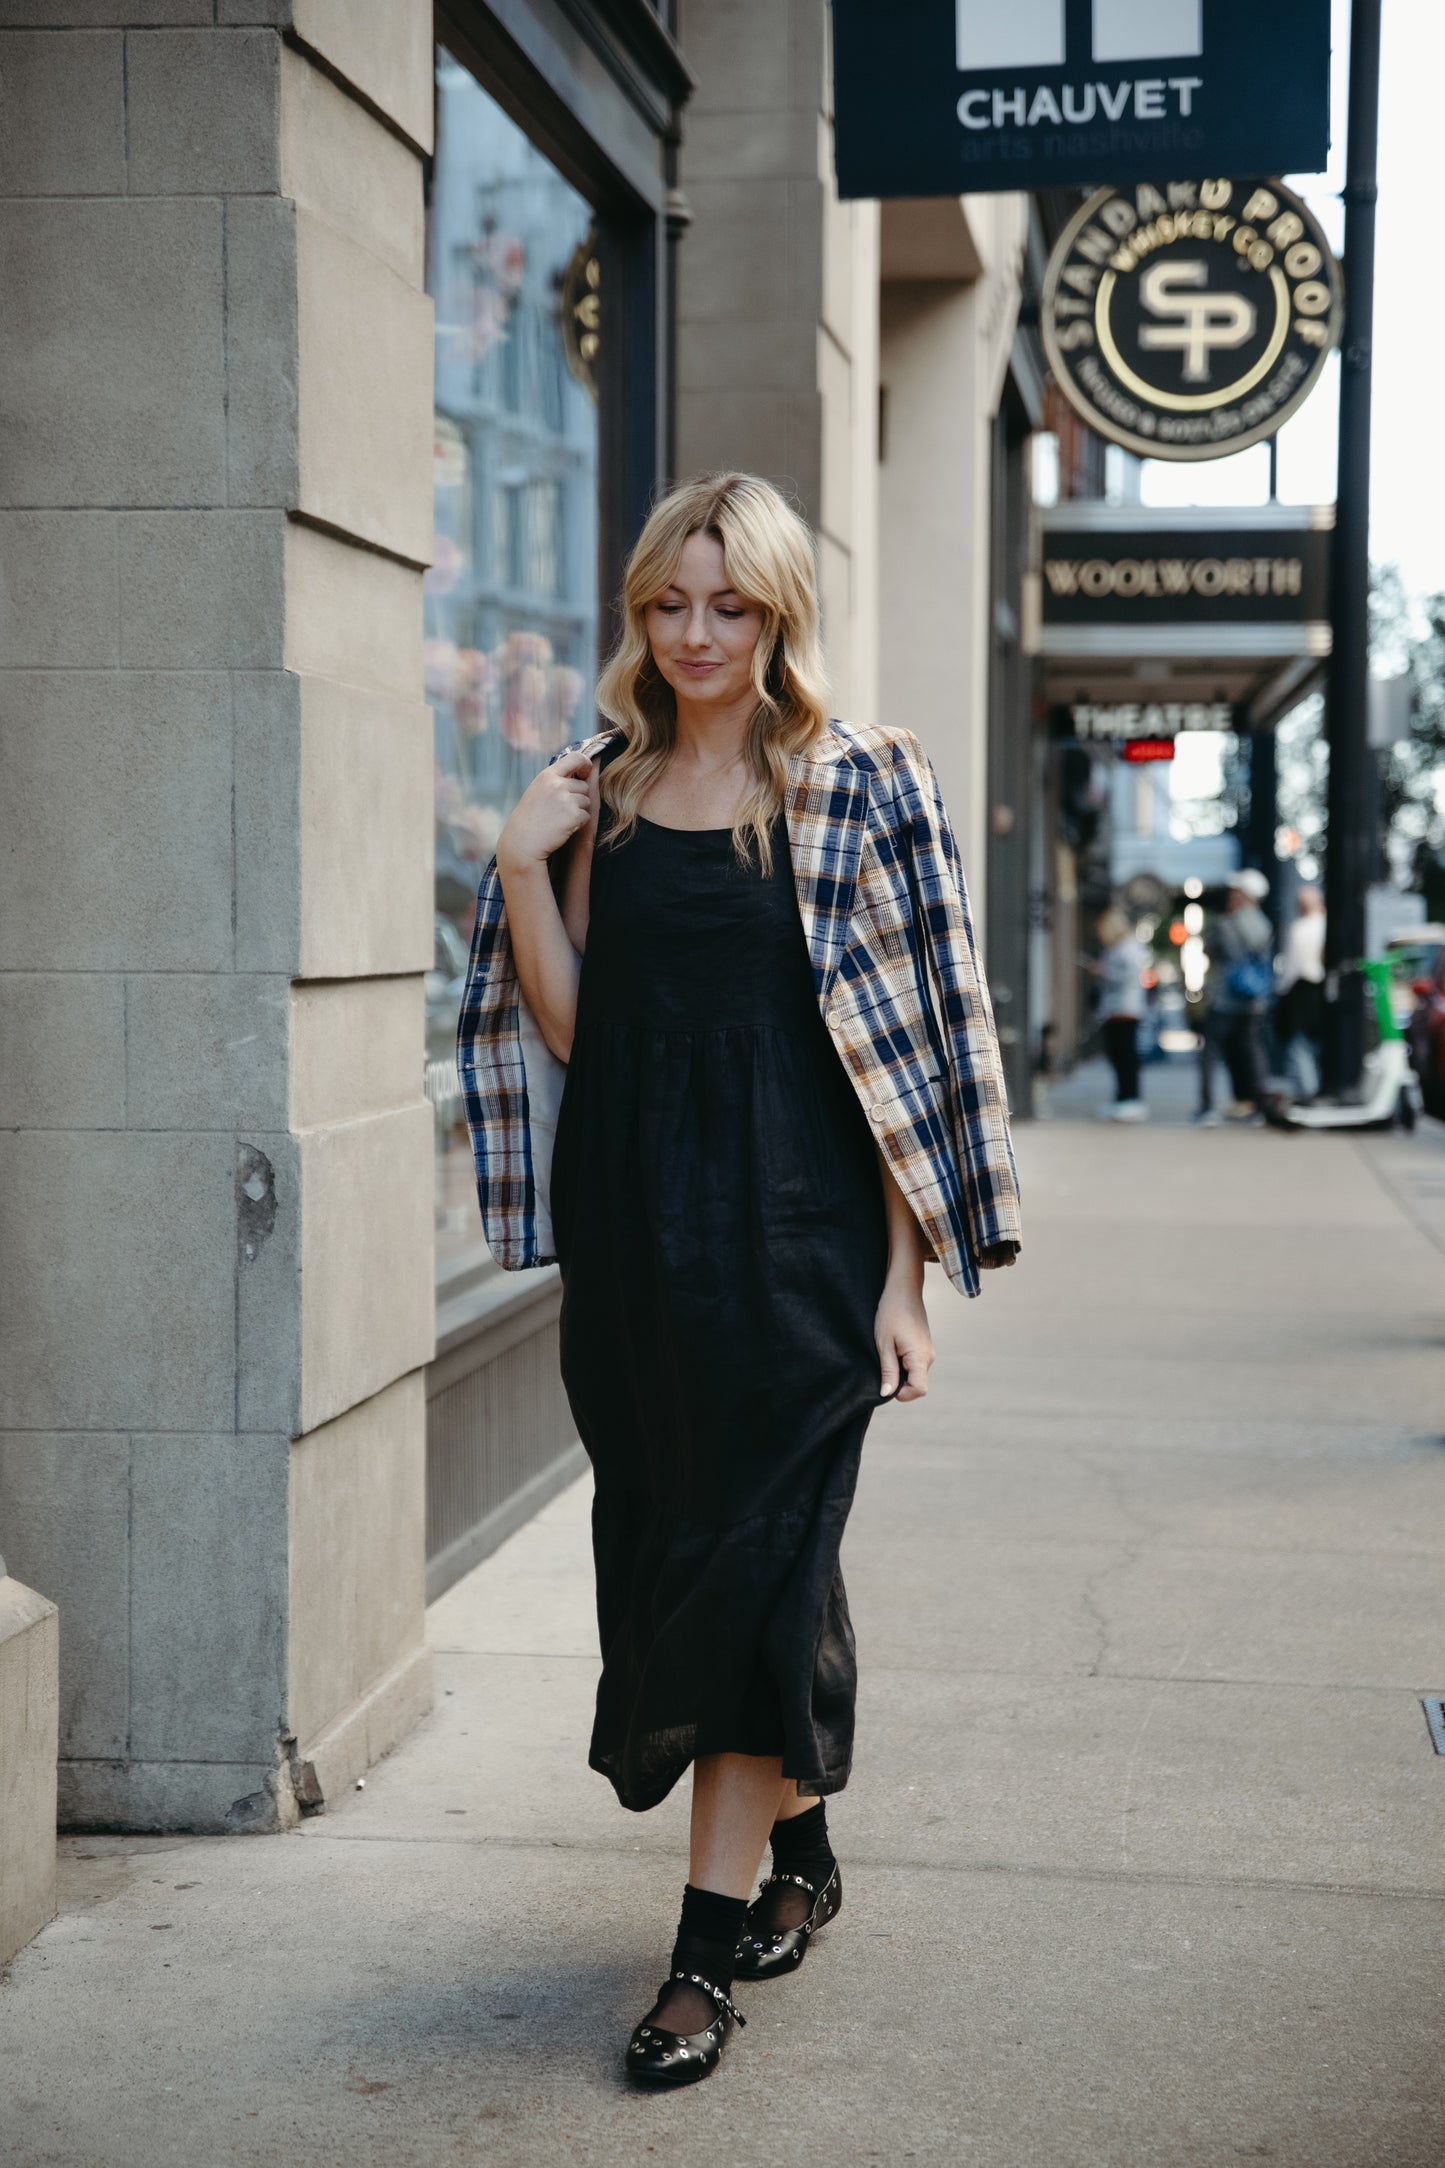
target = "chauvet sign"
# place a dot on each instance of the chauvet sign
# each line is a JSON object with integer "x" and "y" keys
{"x": 1156, "y": 577}
{"x": 938, "y": 97}
{"x": 1190, "y": 319}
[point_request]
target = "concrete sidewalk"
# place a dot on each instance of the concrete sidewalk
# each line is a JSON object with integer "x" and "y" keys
{"x": 1144, "y": 1849}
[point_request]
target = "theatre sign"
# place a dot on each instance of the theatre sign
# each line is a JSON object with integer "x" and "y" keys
{"x": 940, "y": 97}
{"x": 1189, "y": 319}
{"x": 1122, "y": 721}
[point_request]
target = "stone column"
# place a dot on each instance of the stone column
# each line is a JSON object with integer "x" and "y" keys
{"x": 949, "y": 307}
{"x": 29, "y": 1722}
{"x": 216, "y": 1291}
{"x": 777, "y": 340}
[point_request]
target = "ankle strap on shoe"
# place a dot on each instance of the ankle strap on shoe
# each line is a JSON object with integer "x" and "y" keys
{"x": 719, "y": 1995}
{"x": 796, "y": 1879}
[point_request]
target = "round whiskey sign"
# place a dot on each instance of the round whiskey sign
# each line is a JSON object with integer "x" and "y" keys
{"x": 1189, "y": 320}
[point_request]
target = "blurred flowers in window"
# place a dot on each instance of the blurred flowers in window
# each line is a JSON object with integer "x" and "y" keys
{"x": 510, "y": 600}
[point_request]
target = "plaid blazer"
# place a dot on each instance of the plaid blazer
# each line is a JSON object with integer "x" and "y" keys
{"x": 885, "y": 912}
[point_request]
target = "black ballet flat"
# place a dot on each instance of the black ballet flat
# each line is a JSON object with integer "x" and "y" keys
{"x": 767, "y": 1953}
{"x": 658, "y": 2057}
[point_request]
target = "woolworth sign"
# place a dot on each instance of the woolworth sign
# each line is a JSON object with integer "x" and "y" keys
{"x": 1159, "y": 576}
{"x": 1190, "y": 319}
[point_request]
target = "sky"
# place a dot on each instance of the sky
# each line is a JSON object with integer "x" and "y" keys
{"x": 1407, "y": 498}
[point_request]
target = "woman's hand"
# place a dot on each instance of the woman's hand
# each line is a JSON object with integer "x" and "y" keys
{"x": 900, "y": 1324}
{"x": 555, "y": 804}
{"x": 904, "y": 1341}
{"x": 552, "y": 809}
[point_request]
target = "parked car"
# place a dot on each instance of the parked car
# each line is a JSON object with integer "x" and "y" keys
{"x": 1425, "y": 1027}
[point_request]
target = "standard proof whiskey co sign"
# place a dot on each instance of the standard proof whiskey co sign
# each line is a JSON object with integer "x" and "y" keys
{"x": 1191, "y": 319}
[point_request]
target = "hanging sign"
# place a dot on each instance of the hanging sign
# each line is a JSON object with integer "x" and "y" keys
{"x": 941, "y": 97}
{"x": 1123, "y": 721}
{"x": 1188, "y": 320}
{"x": 1158, "y": 576}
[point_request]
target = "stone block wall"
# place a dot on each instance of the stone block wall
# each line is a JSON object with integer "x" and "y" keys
{"x": 216, "y": 1289}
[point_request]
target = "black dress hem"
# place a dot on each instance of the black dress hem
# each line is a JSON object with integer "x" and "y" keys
{"x": 642, "y": 1802}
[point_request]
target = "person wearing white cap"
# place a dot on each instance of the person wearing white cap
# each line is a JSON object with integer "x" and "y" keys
{"x": 1241, "y": 979}
{"x": 1120, "y": 968}
{"x": 1299, "y": 1019}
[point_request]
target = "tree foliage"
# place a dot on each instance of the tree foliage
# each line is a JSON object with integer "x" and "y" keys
{"x": 1408, "y": 636}
{"x": 1303, "y": 767}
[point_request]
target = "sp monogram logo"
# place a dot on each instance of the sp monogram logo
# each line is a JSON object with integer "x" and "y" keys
{"x": 1196, "y": 322}
{"x": 1189, "y": 320}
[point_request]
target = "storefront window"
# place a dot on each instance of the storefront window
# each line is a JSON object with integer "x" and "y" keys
{"x": 511, "y": 599}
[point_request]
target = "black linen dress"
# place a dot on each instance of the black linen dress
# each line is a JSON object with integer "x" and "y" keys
{"x": 721, "y": 1230}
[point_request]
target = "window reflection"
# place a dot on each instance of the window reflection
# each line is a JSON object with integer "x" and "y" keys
{"x": 511, "y": 599}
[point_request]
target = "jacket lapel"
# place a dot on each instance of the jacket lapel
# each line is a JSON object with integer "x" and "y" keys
{"x": 827, "y": 812}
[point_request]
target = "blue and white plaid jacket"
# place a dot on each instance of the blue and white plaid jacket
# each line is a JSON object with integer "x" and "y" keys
{"x": 885, "y": 912}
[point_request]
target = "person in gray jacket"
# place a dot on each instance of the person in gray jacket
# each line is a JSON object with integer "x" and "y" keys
{"x": 1121, "y": 1005}
{"x": 1240, "y": 947}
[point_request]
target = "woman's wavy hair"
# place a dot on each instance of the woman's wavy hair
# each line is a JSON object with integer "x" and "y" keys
{"x": 768, "y": 551}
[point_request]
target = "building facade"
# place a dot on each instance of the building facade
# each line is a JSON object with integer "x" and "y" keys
{"x": 346, "y": 344}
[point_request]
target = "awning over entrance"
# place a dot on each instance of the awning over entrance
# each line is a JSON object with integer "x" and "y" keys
{"x": 1182, "y": 609}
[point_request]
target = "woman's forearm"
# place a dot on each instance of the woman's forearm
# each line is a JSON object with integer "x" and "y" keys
{"x": 905, "y": 1236}
{"x": 905, "y": 1344}
{"x": 548, "y": 967}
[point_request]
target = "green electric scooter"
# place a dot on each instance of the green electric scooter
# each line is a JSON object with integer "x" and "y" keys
{"x": 1389, "y": 1095}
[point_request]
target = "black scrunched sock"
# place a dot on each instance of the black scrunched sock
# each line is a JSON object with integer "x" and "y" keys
{"x": 707, "y": 1941}
{"x": 800, "y": 1846}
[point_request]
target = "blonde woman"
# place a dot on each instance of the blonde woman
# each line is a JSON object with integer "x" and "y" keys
{"x": 725, "y": 948}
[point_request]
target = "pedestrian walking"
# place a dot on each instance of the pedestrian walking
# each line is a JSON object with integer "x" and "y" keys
{"x": 1121, "y": 1009}
{"x": 1300, "y": 1014}
{"x": 1241, "y": 978}
{"x": 731, "y": 937}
